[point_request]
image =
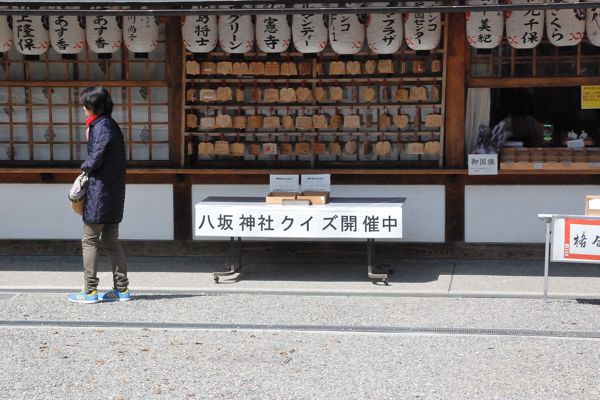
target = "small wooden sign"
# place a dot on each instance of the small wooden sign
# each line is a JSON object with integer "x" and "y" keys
{"x": 224, "y": 121}
{"x": 239, "y": 122}
{"x": 350, "y": 148}
{"x": 191, "y": 121}
{"x": 335, "y": 149}
{"x": 224, "y": 93}
{"x": 269, "y": 148}
{"x": 418, "y": 93}
{"x": 370, "y": 67}
{"x": 304, "y": 67}
{"x": 436, "y": 66}
{"x": 254, "y": 149}
{"x": 192, "y": 68}
{"x": 318, "y": 148}
{"x": 287, "y": 95}
{"x": 272, "y": 68}
{"x": 336, "y": 121}
{"x": 271, "y": 122}
{"x": 206, "y": 148}
{"x": 353, "y": 68}
{"x": 385, "y": 67}
{"x": 415, "y": 148}
{"x": 432, "y": 147}
{"x": 336, "y": 93}
{"x": 383, "y": 148}
{"x": 303, "y": 122}
{"x": 352, "y": 121}
{"x": 208, "y": 95}
{"x": 369, "y": 93}
{"x": 367, "y": 148}
{"x": 418, "y": 66}
{"x": 287, "y": 122}
{"x": 238, "y": 149}
{"x": 222, "y": 148}
{"x": 256, "y": 68}
{"x": 255, "y": 95}
{"x": 302, "y": 149}
{"x": 337, "y": 68}
{"x": 208, "y": 123}
{"x": 434, "y": 120}
{"x": 289, "y": 69}
{"x": 303, "y": 93}
{"x": 384, "y": 121}
{"x": 401, "y": 120}
{"x": 191, "y": 95}
{"x": 319, "y": 121}
{"x": 240, "y": 68}
{"x": 401, "y": 95}
{"x": 285, "y": 149}
{"x": 435, "y": 93}
{"x": 240, "y": 95}
{"x": 319, "y": 94}
{"x": 224, "y": 67}
{"x": 271, "y": 95}
{"x": 208, "y": 68}
{"x": 255, "y": 121}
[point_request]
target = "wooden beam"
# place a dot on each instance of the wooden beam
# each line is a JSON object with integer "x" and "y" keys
{"x": 174, "y": 44}
{"x": 455, "y": 91}
{"x": 533, "y": 82}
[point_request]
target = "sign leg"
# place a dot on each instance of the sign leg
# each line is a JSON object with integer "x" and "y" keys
{"x": 546, "y": 260}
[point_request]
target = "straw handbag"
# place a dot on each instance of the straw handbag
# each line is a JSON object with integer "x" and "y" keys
{"x": 78, "y": 192}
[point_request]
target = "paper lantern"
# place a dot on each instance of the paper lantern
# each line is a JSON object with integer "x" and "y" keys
{"x": 484, "y": 29}
{"x": 385, "y": 32}
{"x": 347, "y": 31}
{"x": 140, "y": 33}
{"x": 592, "y": 25}
{"x": 273, "y": 32}
{"x": 423, "y": 30}
{"x": 309, "y": 31}
{"x": 236, "y": 32}
{"x": 30, "y": 34}
{"x": 103, "y": 33}
{"x": 524, "y": 29}
{"x": 200, "y": 32}
{"x": 67, "y": 33}
{"x": 6, "y": 34}
{"x": 565, "y": 27}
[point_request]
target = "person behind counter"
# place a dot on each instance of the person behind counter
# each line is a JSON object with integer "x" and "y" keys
{"x": 524, "y": 128}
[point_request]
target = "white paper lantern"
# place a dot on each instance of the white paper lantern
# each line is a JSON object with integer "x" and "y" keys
{"x": 103, "y": 33}
{"x": 67, "y": 32}
{"x": 592, "y": 25}
{"x": 385, "y": 32}
{"x": 200, "y": 32}
{"x": 347, "y": 31}
{"x": 140, "y": 33}
{"x": 6, "y": 34}
{"x": 565, "y": 27}
{"x": 309, "y": 31}
{"x": 30, "y": 34}
{"x": 423, "y": 30}
{"x": 273, "y": 32}
{"x": 484, "y": 29}
{"x": 236, "y": 32}
{"x": 525, "y": 28}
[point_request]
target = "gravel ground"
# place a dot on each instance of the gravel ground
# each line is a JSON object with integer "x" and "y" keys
{"x": 115, "y": 363}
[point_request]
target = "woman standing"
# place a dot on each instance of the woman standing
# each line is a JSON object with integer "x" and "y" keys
{"x": 105, "y": 199}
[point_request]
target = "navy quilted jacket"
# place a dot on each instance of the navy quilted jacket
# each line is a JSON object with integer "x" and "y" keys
{"x": 106, "y": 166}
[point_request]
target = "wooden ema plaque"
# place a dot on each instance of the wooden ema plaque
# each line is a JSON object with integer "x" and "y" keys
{"x": 271, "y": 122}
{"x": 238, "y": 149}
{"x": 225, "y": 68}
{"x": 383, "y": 148}
{"x": 206, "y": 148}
{"x": 222, "y": 148}
{"x": 432, "y": 147}
{"x": 192, "y": 68}
{"x": 302, "y": 149}
{"x": 224, "y": 93}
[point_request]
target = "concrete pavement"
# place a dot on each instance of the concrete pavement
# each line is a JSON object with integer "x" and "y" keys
{"x": 412, "y": 277}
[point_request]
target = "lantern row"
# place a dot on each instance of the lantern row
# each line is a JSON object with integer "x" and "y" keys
{"x": 525, "y": 28}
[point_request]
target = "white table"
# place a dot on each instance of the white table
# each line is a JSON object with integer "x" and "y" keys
{"x": 342, "y": 218}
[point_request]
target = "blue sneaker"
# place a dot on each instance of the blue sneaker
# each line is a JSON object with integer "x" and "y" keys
{"x": 83, "y": 297}
{"x": 115, "y": 295}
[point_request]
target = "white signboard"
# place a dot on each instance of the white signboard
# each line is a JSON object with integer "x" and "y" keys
{"x": 483, "y": 164}
{"x": 316, "y": 183}
{"x": 251, "y": 217}
{"x": 576, "y": 239}
{"x": 285, "y": 183}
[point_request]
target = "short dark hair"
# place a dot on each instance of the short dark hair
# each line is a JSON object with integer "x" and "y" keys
{"x": 97, "y": 99}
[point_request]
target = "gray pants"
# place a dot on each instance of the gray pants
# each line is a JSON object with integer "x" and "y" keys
{"x": 108, "y": 234}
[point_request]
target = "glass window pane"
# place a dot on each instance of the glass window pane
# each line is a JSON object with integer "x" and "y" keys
{"x": 60, "y": 114}
{"x": 21, "y": 152}
{"x": 61, "y": 133}
{"x": 139, "y": 114}
{"x": 19, "y": 114}
{"x": 140, "y": 152}
{"x": 62, "y": 152}
{"x": 41, "y": 151}
{"x": 41, "y": 114}
{"x": 160, "y": 114}
{"x": 20, "y": 133}
{"x": 160, "y": 151}
{"x": 159, "y": 95}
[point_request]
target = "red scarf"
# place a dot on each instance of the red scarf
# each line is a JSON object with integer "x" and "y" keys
{"x": 88, "y": 122}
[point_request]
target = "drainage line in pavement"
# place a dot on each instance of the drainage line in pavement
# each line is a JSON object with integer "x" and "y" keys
{"x": 304, "y": 328}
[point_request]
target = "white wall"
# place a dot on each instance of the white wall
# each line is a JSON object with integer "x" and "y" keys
{"x": 423, "y": 213}
{"x": 42, "y": 211}
{"x": 509, "y": 213}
